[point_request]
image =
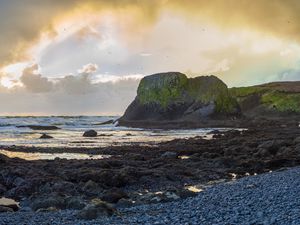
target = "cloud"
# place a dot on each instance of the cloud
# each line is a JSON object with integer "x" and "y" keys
{"x": 22, "y": 25}
{"x": 89, "y": 68}
{"x": 34, "y": 82}
{"x": 69, "y": 95}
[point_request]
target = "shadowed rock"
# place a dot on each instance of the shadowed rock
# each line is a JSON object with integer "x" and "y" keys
{"x": 46, "y": 136}
{"x": 39, "y": 127}
{"x": 90, "y": 133}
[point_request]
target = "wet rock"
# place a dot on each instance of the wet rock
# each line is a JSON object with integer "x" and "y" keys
{"x": 50, "y": 209}
{"x": 124, "y": 203}
{"x": 169, "y": 155}
{"x": 106, "y": 122}
{"x": 96, "y": 209}
{"x": 39, "y": 127}
{"x": 45, "y": 202}
{"x": 3, "y": 189}
{"x": 263, "y": 152}
{"x": 4, "y": 209}
{"x": 214, "y": 132}
{"x": 90, "y": 133}
{"x": 114, "y": 195}
{"x": 46, "y": 136}
{"x": 75, "y": 203}
{"x": 91, "y": 188}
{"x": 297, "y": 140}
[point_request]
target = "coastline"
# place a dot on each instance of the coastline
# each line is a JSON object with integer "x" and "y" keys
{"x": 134, "y": 171}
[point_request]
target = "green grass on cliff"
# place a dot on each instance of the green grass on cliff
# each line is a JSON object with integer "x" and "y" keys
{"x": 271, "y": 99}
{"x": 283, "y": 102}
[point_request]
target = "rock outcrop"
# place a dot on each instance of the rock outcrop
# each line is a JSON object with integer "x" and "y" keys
{"x": 174, "y": 97}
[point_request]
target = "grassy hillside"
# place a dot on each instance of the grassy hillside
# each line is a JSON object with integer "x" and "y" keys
{"x": 282, "y": 97}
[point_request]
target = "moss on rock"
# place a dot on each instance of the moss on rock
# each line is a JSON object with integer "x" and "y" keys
{"x": 162, "y": 88}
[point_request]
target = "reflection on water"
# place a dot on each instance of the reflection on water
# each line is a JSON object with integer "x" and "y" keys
{"x": 50, "y": 156}
{"x": 72, "y": 128}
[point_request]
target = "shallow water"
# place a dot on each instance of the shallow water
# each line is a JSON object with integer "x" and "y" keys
{"x": 50, "y": 156}
{"x": 72, "y": 128}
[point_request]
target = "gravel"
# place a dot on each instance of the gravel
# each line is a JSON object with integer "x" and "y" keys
{"x": 270, "y": 198}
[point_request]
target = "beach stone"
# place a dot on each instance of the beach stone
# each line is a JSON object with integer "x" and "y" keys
{"x": 90, "y": 133}
{"x": 46, "y": 136}
{"x": 96, "y": 209}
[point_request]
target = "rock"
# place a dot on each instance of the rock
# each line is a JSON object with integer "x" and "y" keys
{"x": 50, "y": 209}
{"x": 75, "y": 203}
{"x": 106, "y": 122}
{"x": 297, "y": 140}
{"x": 214, "y": 132}
{"x": 114, "y": 195}
{"x": 90, "y": 133}
{"x": 45, "y": 202}
{"x": 9, "y": 203}
{"x": 124, "y": 203}
{"x": 91, "y": 188}
{"x": 5, "y": 209}
{"x": 96, "y": 209}
{"x": 169, "y": 155}
{"x": 174, "y": 97}
{"x": 39, "y": 127}
{"x": 263, "y": 152}
{"x": 46, "y": 136}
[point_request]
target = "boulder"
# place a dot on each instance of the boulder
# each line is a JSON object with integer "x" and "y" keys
{"x": 90, "y": 133}
{"x": 46, "y": 136}
{"x": 96, "y": 209}
{"x": 45, "y": 202}
{"x": 113, "y": 195}
{"x": 8, "y": 205}
{"x": 174, "y": 97}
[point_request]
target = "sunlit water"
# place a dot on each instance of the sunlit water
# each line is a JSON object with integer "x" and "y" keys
{"x": 72, "y": 129}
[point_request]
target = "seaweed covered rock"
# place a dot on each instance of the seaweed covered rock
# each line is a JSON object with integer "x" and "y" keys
{"x": 174, "y": 97}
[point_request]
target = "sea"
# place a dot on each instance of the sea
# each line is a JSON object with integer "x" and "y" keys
{"x": 73, "y": 127}
{"x": 70, "y": 134}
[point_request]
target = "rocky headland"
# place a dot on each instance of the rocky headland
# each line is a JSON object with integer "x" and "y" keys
{"x": 171, "y": 100}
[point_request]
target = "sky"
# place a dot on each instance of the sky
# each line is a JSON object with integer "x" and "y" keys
{"x": 74, "y": 57}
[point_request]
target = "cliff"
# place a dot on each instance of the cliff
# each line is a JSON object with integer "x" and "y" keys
{"x": 174, "y": 97}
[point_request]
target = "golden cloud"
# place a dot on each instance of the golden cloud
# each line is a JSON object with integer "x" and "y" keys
{"x": 23, "y": 23}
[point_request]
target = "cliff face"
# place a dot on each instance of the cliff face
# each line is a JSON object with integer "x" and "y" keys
{"x": 173, "y": 96}
{"x": 269, "y": 100}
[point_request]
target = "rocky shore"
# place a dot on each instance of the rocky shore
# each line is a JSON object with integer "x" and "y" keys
{"x": 135, "y": 176}
{"x": 269, "y": 198}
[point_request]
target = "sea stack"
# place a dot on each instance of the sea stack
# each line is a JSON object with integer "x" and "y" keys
{"x": 172, "y": 97}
